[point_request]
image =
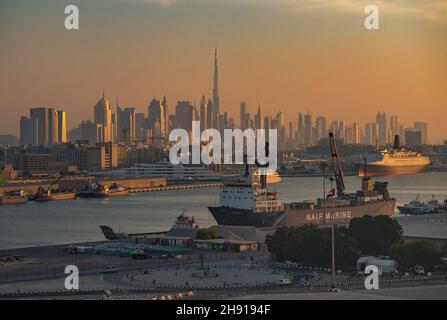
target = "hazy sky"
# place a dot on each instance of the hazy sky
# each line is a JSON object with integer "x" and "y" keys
{"x": 289, "y": 55}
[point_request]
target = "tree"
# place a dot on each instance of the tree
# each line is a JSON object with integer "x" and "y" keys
{"x": 311, "y": 245}
{"x": 207, "y": 234}
{"x": 410, "y": 254}
{"x": 444, "y": 250}
{"x": 375, "y": 235}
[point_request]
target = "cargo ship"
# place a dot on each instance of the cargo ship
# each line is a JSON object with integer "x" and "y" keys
{"x": 244, "y": 202}
{"x": 394, "y": 161}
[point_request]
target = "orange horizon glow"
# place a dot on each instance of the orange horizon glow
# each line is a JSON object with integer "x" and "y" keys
{"x": 289, "y": 56}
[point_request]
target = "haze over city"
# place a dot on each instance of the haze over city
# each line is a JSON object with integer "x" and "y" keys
{"x": 293, "y": 56}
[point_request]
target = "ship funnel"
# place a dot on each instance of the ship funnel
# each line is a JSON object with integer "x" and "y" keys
{"x": 396, "y": 141}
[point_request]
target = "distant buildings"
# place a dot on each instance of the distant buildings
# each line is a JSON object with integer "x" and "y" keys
{"x": 382, "y": 128}
{"x": 45, "y": 126}
{"x": 413, "y": 137}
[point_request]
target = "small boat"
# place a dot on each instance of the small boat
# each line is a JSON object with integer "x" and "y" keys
{"x": 419, "y": 207}
{"x": 44, "y": 194}
{"x": 14, "y": 197}
{"x": 89, "y": 191}
{"x": 116, "y": 190}
{"x": 103, "y": 191}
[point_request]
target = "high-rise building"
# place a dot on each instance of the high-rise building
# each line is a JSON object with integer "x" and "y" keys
{"x": 39, "y": 117}
{"x": 244, "y": 120}
{"x": 423, "y": 128}
{"x": 91, "y": 132}
{"x": 156, "y": 117}
{"x": 164, "y": 104}
{"x": 394, "y": 126}
{"x": 356, "y": 133}
{"x": 320, "y": 128}
{"x": 382, "y": 127}
{"x": 139, "y": 126}
{"x": 126, "y": 125}
{"x": 61, "y": 127}
{"x": 102, "y": 114}
{"x": 26, "y": 131}
{"x": 413, "y": 137}
{"x": 216, "y": 98}
{"x": 53, "y": 130}
{"x": 258, "y": 119}
{"x": 308, "y": 130}
{"x": 103, "y": 117}
{"x": 371, "y": 133}
{"x": 185, "y": 114}
{"x": 203, "y": 114}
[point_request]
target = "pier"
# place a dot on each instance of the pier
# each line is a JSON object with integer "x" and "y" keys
{"x": 176, "y": 187}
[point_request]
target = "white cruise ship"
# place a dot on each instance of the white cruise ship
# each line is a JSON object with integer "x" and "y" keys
{"x": 165, "y": 169}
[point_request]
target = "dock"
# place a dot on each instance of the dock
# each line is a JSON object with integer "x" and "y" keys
{"x": 176, "y": 187}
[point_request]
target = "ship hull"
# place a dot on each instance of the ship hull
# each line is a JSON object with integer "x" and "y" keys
{"x": 384, "y": 170}
{"x": 297, "y": 217}
{"x": 13, "y": 200}
{"x": 63, "y": 196}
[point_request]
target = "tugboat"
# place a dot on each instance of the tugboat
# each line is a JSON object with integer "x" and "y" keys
{"x": 89, "y": 191}
{"x": 14, "y": 197}
{"x": 115, "y": 190}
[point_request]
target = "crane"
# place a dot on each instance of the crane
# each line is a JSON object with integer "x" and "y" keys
{"x": 336, "y": 163}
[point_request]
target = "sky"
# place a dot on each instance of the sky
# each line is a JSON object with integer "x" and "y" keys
{"x": 286, "y": 55}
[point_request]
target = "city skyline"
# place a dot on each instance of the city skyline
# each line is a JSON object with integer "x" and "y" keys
{"x": 318, "y": 65}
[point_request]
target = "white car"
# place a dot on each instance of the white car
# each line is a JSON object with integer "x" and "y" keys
{"x": 284, "y": 282}
{"x": 111, "y": 269}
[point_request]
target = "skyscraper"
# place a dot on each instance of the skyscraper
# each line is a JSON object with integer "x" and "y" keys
{"x": 185, "y": 113}
{"x": 139, "y": 126}
{"x": 307, "y": 136}
{"x": 216, "y": 99}
{"x": 258, "y": 119}
{"x": 394, "y": 126}
{"x": 356, "y": 133}
{"x": 164, "y": 104}
{"x": 203, "y": 114}
{"x": 423, "y": 128}
{"x": 61, "y": 127}
{"x": 53, "y": 130}
{"x": 371, "y": 133}
{"x": 321, "y": 128}
{"x": 382, "y": 127}
{"x": 27, "y": 133}
{"x": 126, "y": 125}
{"x": 39, "y": 117}
{"x": 102, "y": 114}
{"x": 156, "y": 118}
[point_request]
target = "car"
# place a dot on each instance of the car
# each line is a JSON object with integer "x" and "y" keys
{"x": 111, "y": 269}
{"x": 333, "y": 289}
{"x": 419, "y": 270}
{"x": 284, "y": 282}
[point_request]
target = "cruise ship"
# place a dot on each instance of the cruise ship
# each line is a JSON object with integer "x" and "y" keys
{"x": 165, "y": 169}
{"x": 395, "y": 161}
{"x": 244, "y": 202}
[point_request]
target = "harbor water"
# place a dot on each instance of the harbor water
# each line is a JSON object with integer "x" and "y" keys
{"x": 59, "y": 222}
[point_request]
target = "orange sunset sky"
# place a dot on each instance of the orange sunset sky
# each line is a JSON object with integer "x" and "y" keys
{"x": 289, "y": 55}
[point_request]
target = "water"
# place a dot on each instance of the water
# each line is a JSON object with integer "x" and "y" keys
{"x": 79, "y": 220}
